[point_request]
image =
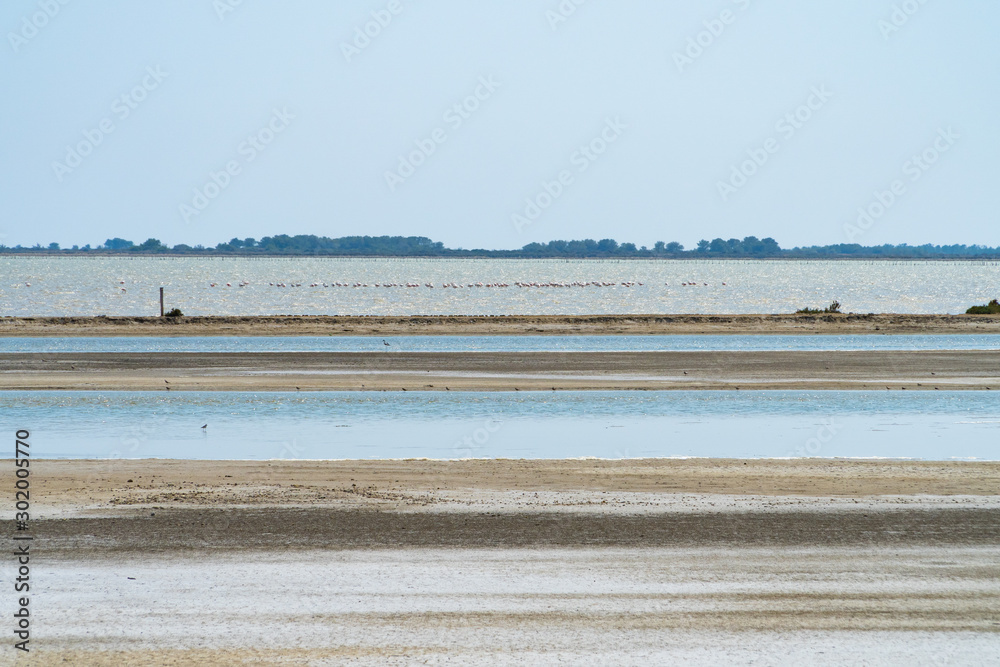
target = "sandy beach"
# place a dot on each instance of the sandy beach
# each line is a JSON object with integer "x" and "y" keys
{"x": 503, "y": 371}
{"x": 505, "y": 562}
{"x": 509, "y": 325}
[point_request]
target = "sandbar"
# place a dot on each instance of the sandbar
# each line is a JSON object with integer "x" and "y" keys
{"x": 507, "y": 325}
{"x": 504, "y": 371}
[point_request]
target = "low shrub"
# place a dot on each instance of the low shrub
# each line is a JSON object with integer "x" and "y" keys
{"x": 176, "y": 312}
{"x": 833, "y": 308}
{"x": 992, "y": 308}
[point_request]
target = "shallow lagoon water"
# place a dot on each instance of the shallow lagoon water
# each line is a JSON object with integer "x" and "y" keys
{"x": 613, "y": 425}
{"x": 86, "y": 286}
{"x": 709, "y": 343}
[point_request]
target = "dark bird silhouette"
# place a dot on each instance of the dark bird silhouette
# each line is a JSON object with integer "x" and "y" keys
{"x": 205, "y": 426}
{"x": 385, "y": 343}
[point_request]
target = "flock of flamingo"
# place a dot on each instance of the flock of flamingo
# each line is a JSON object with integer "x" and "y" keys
{"x": 453, "y": 285}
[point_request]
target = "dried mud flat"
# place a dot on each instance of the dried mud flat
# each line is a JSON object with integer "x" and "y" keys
{"x": 482, "y": 562}
{"x": 329, "y": 325}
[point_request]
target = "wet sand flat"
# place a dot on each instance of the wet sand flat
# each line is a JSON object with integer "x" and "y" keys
{"x": 157, "y": 506}
{"x": 503, "y": 371}
{"x": 79, "y": 485}
{"x": 588, "y": 606}
{"x": 486, "y": 562}
{"x": 122, "y": 506}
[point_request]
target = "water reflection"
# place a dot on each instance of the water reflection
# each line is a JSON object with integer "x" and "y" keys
{"x": 346, "y": 425}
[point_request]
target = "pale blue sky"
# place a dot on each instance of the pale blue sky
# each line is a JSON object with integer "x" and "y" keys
{"x": 677, "y": 130}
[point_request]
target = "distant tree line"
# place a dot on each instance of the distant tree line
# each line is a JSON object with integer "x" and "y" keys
{"x": 419, "y": 246}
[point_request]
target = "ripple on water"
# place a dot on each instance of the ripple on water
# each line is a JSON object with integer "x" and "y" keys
{"x": 79, "y": 286}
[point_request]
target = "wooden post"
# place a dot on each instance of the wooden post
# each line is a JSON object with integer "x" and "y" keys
{"x": 161, "y": 302}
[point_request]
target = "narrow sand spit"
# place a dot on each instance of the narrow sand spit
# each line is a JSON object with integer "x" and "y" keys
{"x": 483, "y": 562}
{"x": 328, "y": 325}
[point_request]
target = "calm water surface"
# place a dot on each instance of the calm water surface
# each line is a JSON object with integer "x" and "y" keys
{"x": 501, "y": 343}
{"x": 129, "y": 286}
{"x": 349, "y": 425}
